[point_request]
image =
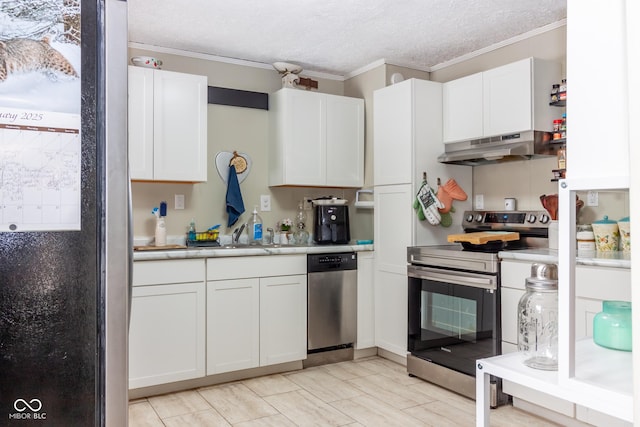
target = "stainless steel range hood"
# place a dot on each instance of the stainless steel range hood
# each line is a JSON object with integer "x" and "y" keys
{"x": 520, "y": 146}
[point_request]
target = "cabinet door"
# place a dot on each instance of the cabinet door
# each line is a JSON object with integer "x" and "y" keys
{"x": 393, "y": 231}
{"x": 283, "y": 319}
{"x": 391, "y": 298}
{"x": 393, "y": 134}
{"x": 507, "y": 97}
{"x": 233, "y": 325}
{"x": 366, "y": 316}
{"x": 305, "y": 150}
{"x": 180, "y": 127}
{"x": 509, "y": 314}
{"x": 462, "y": 108}
{"x": 140, "y": 120}
{"x": 345, "y": 141}
{"x": 393, "y": 226}
{"x": 166, "y": 334}
{"x": 586, "y": 310}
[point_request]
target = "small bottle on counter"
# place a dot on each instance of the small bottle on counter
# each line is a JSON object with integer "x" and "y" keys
{"x": 255, "y": 228}
{"x": 161, "y": 232}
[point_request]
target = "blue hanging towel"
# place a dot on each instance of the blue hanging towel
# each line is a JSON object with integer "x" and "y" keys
{"x": 235, "y": 205}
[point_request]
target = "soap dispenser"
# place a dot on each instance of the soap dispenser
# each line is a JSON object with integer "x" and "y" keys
{"x": 255, "y": 228}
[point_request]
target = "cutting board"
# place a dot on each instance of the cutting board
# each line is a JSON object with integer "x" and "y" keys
{"x": 158, "y": 248}
{"x": 482, "y": 237}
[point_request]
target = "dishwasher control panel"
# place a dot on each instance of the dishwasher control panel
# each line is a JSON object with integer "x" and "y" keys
{"x": 333, "y": 261}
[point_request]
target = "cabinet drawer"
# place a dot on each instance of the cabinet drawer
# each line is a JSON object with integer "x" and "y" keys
{"x": 514, "y": 273}
{"x": 255, "y": 266}
{"x": 603, "y": 283}
{"x": 173, "y": 271}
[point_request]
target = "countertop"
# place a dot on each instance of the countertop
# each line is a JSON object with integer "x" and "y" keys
{"x": 246, "y": 251}
{"x": 616, "y": 259}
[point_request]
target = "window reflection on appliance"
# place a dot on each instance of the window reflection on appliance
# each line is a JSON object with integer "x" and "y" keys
{"x": 451, "y": 324}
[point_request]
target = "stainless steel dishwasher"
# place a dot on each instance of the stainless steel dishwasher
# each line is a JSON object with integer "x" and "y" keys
{"x": 331, "y": 306}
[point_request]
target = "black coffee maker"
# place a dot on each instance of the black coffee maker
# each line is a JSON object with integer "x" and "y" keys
{"x": 331, "y": 224}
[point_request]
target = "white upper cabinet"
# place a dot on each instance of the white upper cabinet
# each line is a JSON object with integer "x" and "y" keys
{"x": 316, "y": 139}
{"x": 504, "y": 100}
{"x": 462, "y": 108}
{"x": 167, "y": 126}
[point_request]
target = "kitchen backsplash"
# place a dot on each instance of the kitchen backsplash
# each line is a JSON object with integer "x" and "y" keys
{"x": 527, "y": 180}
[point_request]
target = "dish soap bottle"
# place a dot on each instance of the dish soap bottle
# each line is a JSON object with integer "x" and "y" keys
{"x": 192, "y": 231}
{"x": 255, "y": 228}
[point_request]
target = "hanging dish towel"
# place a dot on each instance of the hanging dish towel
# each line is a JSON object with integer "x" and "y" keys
{"x": 235, "y": 205}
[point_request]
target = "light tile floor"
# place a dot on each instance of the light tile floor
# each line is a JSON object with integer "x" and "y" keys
{"x": 365, "y": 392}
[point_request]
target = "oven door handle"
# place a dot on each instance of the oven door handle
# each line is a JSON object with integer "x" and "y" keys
{"x": 458, "y": 278}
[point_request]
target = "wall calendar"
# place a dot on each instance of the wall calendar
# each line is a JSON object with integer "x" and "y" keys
{"x": 40, "y": 170}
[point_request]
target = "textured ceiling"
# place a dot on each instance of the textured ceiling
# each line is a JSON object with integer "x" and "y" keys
{"x": 337, "y": 36}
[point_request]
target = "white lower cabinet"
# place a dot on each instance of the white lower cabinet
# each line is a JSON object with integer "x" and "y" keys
{"x": 593, "y": 285}
{"x": 167, "y": 329}
{"x": 283, "y": 319}
{"x": 258, "y": 320}
{"x": 233, "y": 325}
{"x": 366, "y": 316}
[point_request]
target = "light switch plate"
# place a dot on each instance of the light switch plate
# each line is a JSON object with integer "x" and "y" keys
{"x": 265, "y": 203}
{"x": 592, "y": 198}
{"x": 179, "y": 201}
{"x": 479, "y": 204}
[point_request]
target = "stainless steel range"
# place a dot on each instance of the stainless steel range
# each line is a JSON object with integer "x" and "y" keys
{"x": 454, "y": 299}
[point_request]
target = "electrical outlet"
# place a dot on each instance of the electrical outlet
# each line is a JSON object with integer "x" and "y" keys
{"x": 307, "y": 205}
{"x": 592, "y": 198}
{"x": 479, "y": 201}
{"x": 179, "y": 201}
{"x": 265, "y": 203}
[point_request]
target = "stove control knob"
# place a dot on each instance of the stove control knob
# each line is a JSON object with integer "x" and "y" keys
{"x": 479, "y": 218}
{"x": 544, "y": 218}
{"x": 531, "y": 219}
{"x": 469, "y": 218}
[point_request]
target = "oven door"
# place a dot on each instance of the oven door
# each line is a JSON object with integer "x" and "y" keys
{"x": 453, "y": 317}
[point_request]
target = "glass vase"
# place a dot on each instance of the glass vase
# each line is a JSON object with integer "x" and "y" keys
{"x": 612, "y": 326}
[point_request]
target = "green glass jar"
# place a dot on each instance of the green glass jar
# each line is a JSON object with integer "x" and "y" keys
{"x": 612, "y": 326}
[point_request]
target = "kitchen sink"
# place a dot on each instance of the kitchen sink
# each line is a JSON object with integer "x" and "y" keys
{"x": 245, "y": 246}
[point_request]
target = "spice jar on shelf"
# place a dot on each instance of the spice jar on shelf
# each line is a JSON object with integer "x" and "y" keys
{"x": 562, "y": 158}
{"x": 562, "y": 90}
{"x": 554, "y": 93}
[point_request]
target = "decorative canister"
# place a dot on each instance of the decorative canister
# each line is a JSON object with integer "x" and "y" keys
{"x": 612, "y": 326}
{"x": 606, "y": 234}
{"x": 538, "y": 318}
{"x": 624, "y": 226}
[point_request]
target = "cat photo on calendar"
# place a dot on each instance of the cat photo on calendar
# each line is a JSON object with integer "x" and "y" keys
{"x": 40, "y": 64}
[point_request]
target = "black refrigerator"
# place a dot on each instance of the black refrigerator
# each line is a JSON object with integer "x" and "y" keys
{"x": 65, "y": 245}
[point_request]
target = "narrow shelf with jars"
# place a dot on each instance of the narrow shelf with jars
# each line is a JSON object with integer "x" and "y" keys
{"x": 589, "y": 375}
{"x": 559, "y": 139}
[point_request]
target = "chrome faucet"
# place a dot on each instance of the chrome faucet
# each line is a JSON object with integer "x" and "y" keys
{"x": 271, "y": 236}
{"x": 235, "y": 237}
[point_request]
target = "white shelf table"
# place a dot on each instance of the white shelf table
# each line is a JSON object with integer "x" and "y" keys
{"x": 588, "y": 375}
{"x": 602, "y": 381}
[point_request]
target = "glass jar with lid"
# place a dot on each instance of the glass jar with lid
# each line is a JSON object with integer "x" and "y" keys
{"x": 538, "y": 318}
